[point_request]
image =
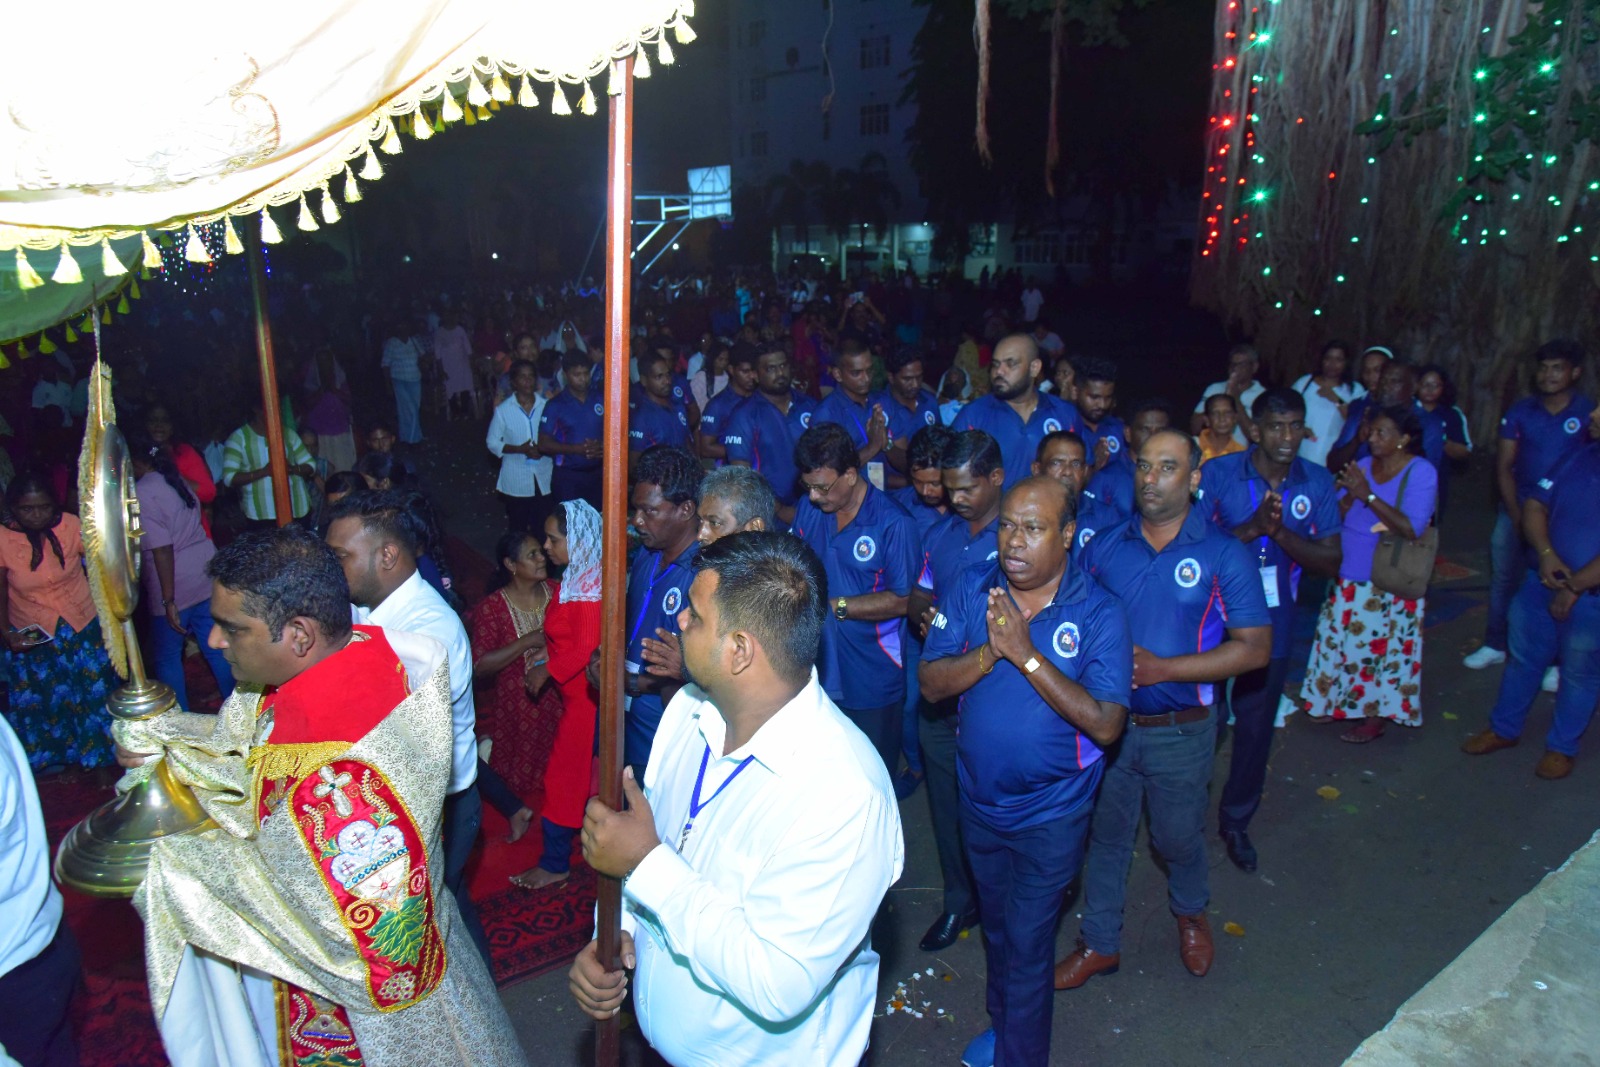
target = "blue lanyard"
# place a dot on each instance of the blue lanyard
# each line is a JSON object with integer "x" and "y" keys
{"x": 649, "y": 598}
{"x": 1254, "y": 504}
{"x": 695, "y": 804}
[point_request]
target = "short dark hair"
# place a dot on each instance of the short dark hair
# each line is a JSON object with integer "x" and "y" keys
{"x": 285, "y": 573}
{"x": 826, "y": 444}
{"x": 344, "y": 482}
{"x": 650, "y": 357}
{"x": 1195, "y": 455}
{"x": 386, "y": 465}
{"x": 1244, "y": 348}
{"x": 770, "y": 585}
{"x": 1278, "y": 401}
{"x": 518, "y": 364}
{"x": 1154, "y": 403}
{"x": 1095, "y": 369}
{"x": 927, "y": 447}
{"x": 1562, "y": 348}
{"x": 902, "y": 357}
{"x": 742, "y": 354}
{"x": 1448, "y": 396}
{"x": 672, "y": 470}
{"x": 1407, "y": 421}
{"x": 575, "y": 359}
{"x": 381, "y": 513}
{"x": 1232, "y": 403}
{"x": 748, "y": 493}
{"x": 1069, "y": 436}
{"x": 974, "y": 450}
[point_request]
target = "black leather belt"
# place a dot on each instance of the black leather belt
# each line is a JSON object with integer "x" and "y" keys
{"x": 1170, "y": 718}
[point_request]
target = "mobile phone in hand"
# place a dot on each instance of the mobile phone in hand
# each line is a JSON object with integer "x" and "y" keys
{"x": 33, "y": 635}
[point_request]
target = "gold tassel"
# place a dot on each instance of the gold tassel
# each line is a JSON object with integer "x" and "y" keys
{"x": 438, "y": 124}
{"x": 420, "y": 128}
{"x": 586, "y": 102}
{"x": 307, "y": 221}
{"x": 371, "y": 169}
{"x": 27, "y": 277}
{"x": 558, "y": 100}
{"x": 352, "y": 191}
{"x": 133, "y": 289}
{"x": 122, "y": 305}
{"x": 105, "y": 318}
{"x": 391, "y": 139}
{"x": 525, "y": 97}
{"x": 230, "y": 238}
{"x": 152, "y": 254}
{"x": 664, "y": 52}
{"x": 22, "y": 350}
{"x": 494, "y": 105}
{"x": 477, "y": 95}
{"x": 330, "y": 206}
{"x": 5, "y": 364}
{"x": 270, "y": 234}
{"x": 194, "y": 250}
{"x": 472, "y": 116}
{"x": 72, "y": 335}
{"x": 87, "y": 325}
{"x": 483, "y": 113}
{"x": 47, "y": 347}
{"x": 641, "y": 64}
{"x": 67, "y": 270}
{"x": 499, "y": 91}
{"x": 684, "y": 32}
{"x": 449, "y": 110}
{"x": 110, "y": 265}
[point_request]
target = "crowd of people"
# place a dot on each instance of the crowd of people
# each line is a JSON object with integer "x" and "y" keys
{"x": 996, "y": 589}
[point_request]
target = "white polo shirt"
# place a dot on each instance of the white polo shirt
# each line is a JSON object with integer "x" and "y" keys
{"x": 30, "y": 905}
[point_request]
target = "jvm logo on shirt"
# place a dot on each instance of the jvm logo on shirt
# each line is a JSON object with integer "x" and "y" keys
{"x": 1300, "y": 507}
{"x": 1572, "y": 425}
{"x": 1187, "y": 573}
{"x": 865, "y": 548}
{"x": 1052, "y": 425}
{"x": 1066, "y": 639}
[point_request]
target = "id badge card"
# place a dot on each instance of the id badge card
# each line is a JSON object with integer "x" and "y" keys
{"x": 875, "y": 474}
{"x": 1269, "y": 584}
{"x": 627, "y": 701}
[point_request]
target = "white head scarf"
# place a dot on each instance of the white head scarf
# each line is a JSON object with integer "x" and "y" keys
{"x": 582, "y": 580}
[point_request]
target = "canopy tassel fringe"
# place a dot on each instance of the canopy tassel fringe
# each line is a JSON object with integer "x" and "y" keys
{"x": 664, "y": 52}
{"x": 484, "y": 112}
{"x": 449, "y": 110}
{"x": 47, "y": 347}
{"x": 330, "y": 206}
{"x": 682, "y": 30}
{"x": 391, "y": 139}
{"x": 558, "y": 100}
{"x": 352, "y": 191}
{"x": 22, "y": 350}
{"x": 587, "y": 104}
{"x": 110, "y": 265}
{"x": 67, "y": 270}
{"x": 419, "y": 126}
{"x": 27, "y": 277}
{"x": 525, "y": 97}
{"x": 641, "y": 63}
{"x": 270, "y": 234}
{"x": 471, "y": 115}
{"x": 477, "y": 95}
{"x": 371, "y": 169}
{"x": 230, "y": 238}
{"x": 133, "y": 290}
{"x": 194, "y": 249}
{"x": 307, "y": 221}
{"x": 71, "y": 335}
{"x": 105, "y": 317}
{"x": 152, "y": 254}
{"x": 499, "y": 91}
{"x": 123, "y": 307}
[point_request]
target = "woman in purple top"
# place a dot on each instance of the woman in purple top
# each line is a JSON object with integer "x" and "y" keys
{"x": 176, "y": 550}
{"x": 1367, "y": 660}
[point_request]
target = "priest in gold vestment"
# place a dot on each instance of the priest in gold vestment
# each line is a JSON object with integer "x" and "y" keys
{"x": 311, "y": 926}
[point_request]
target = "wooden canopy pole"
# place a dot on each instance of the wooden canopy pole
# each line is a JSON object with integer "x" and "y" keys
{"x": 272, "y": 410}
{"x": 614, "y": 497}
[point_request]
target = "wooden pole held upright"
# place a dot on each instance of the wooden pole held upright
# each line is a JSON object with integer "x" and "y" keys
{"x": 614, "y": 496}
{"x": 272, "y": 410}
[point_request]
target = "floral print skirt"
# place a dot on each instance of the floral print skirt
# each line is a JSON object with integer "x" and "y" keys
{"x": 1367, "y": 660}
{"x": 58, "y": 699}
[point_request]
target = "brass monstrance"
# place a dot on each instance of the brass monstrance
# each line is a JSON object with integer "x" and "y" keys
{"x": 106, "y": 855}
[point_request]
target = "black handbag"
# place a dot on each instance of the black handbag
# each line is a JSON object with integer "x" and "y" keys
{"x": 1401, "y": 566}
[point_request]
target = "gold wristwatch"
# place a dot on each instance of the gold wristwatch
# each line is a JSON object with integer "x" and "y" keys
{"x": 841, "y": 608}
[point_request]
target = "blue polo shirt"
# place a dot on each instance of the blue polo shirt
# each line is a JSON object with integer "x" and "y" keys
{"x": 1569, "y": 493}
{"x": 1019, "y": 763}
{"x": 651, "y": 424}
{"x": 924, "y": 519}
{"x": 1434, "y": 424}
{"x": 1232, "y": 488}
{"x": 759, "y": 434}
{"x": 904, "y": 422}
{"x": 1094, "y": 515}
{"x": 1543, "y": 440}
{"x": 714, "y": 419}
{"x": 953, "y": 552}
{"x": 1113, "y": 487}
{"x": 1352, "y": 420}
{"x": 862, "y": 664}
{"x": 572, "y": 421}
{"x": 1019, "y": 441}
{"x": 1116, "y": 437}
{"x": 836, "y": 407}
{"x": 1180, "y": 600}
{"x": 657, "y": 592}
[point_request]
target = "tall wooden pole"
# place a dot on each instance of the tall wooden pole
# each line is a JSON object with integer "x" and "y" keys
{"x": 272, "y": 411}
{"x": 614, "y": 496}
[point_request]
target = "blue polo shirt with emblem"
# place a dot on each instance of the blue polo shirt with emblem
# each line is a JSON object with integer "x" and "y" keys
{"x": 759, "y": 434}
{"x": 839, "y": 408}
{"x": 1112, "y": 430}
{"x": 1094, "y": 515}
{"x": 1232, "y": 487}
{"x": 924, "y": 518}
{"x": 1180, "y": 600}
{"x": 904, "y": 422}
{"x": 572, "y": 421}
{"x": 1543, "y": 440}
{"x": 1569, "y": 494}
{"x": 1434, "y": 430}
{"x": 862, "y": 664}
{"x": 649, "y": 423}
{"x": 1019, "y": 763}
{"x": 1019, "y": 441}
{"x": 657, "y": 592}
{"x": 953, "y": 552}
{"x": 1113, "y": 487}
{"x": 714, "y": 419}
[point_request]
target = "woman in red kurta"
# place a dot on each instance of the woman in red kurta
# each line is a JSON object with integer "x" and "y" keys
{"x": 572, "y": 633}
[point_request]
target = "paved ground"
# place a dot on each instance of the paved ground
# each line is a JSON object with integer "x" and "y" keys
{"x": 1362, "y": 897}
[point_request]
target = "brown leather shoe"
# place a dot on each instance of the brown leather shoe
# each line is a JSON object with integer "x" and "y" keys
{"x": 1552, "y": 765}
{"x": 1084, "y": 964}
{"x": 1194, "y": 944}
{"x": 1485, "y": 742}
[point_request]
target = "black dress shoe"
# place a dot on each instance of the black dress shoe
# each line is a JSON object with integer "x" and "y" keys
{"x": 944, "y": 932}
{"x": 1240, "y": 850}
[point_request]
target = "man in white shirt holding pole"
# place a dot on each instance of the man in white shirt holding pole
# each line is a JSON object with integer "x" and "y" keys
{"x": 762, "y": 844}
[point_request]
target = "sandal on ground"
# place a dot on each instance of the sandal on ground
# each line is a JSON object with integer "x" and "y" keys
{"x": 1366, "y": 731}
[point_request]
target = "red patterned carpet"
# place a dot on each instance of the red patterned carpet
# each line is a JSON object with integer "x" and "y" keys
{"x": 529, "y": 933}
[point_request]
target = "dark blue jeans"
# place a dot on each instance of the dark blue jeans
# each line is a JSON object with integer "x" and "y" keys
{"x": 882, "y": 727}
{"x": 910, "y": 713}
{"x": 463, "y": 818}
{"x": 166, "y": 651}
{"x": 1538, "y": 642}
{"x": 1170, "y": 767}
{"x": 1506, "y": 567}
{"x": 938, "y": 735}
{"x": 36, "y": 993}
{"x": 1254, "y": 700}
{"x": 1022, "y": 878}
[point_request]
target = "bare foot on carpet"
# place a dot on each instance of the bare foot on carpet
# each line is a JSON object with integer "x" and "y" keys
{"x": 519, "y": 825}
{"x": 537, "y": 878}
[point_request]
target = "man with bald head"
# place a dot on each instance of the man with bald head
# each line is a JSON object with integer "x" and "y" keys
{"x": 1198, "y": 616}
{"x": 1015, "y": 413}
{"x": 1041, "y": 657}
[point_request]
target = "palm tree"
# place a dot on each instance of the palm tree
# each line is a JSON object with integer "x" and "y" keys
{"x": 792, "y": 196}
{"x": 873, "y": 194}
